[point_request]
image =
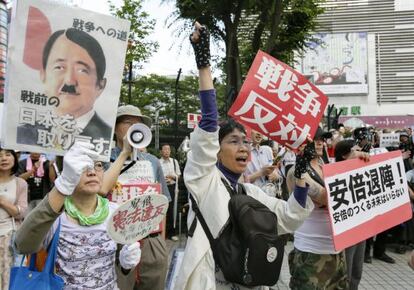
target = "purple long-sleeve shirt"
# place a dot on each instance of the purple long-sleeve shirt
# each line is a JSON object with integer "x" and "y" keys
{"x": 209, "y": 123}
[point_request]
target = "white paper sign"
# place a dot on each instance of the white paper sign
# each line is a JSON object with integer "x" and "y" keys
{"x": 366, "y": 198}
{"x": 390, "y": 140}
{"x": 137, "y": 218}
{"x": 64, "y": 74}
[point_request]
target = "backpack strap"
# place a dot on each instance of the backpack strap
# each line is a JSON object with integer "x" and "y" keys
{"x": 315, "y": 176}
{"x": 200, "y": 217}
{"x": 240, "y": 190}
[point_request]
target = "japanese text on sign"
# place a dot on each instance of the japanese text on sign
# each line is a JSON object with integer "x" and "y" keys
{"x": 366, "y": 198}
{"x": 137, "y": 218}
{"x": 389, "y": 140}
{"x": 279, "y": 102}
{"x": 90, "y": 26}
{"x": 121, "y": 193}
{"x": 58, "y": 131}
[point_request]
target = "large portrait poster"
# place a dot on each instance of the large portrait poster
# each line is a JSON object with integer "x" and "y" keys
{"x": 63, "y": 79}
{"x": 338, "y": 64}
{"x": 366, "y": 198}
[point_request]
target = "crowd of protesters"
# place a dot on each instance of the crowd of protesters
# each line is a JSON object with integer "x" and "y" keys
{"x": 39, "y": 197}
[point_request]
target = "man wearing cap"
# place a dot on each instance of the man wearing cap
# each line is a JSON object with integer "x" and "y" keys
{"x": 153, "y": 266}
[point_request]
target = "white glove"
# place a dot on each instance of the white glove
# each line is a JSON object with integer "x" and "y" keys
{"x": 77, "y": 159}
{"x": 130, "y": 255}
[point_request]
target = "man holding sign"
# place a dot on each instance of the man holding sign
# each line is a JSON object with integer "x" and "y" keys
{"x": 86, "y": 253}
{"x": 145, "y": 170}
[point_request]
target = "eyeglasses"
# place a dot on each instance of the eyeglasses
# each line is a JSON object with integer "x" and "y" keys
{"x": 97, "y": 166}
{"x": 239, "y": 143}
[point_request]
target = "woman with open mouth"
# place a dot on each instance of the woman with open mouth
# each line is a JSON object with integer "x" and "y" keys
{"x": 217, "y": 159}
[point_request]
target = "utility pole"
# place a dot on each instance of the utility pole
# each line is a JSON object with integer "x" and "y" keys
{"x": 157, "y": 130}
{"x": 176, "y": 111}
{"x": 130, "y": 82}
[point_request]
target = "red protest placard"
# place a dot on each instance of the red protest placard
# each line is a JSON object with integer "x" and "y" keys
{"x": 279, "y": 102}
{"x": 366, "y": 198}
{"x": 122, "y": 193}
{"x": 193, "y": 120}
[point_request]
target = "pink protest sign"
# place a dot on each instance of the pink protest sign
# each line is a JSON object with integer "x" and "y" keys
{"x": 279, "y": 102}
{"x": 137, "y": 218}
{"x": 366, "y": 198}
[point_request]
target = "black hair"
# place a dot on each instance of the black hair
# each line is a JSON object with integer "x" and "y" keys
{"x": 227, "y": 127}
{"x": 16, "y": 160}
{"x": 84, "y": 40}
{"x": 342, "y": 148}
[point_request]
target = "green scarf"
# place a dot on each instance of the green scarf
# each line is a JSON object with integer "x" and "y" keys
{"x": 98, "y": 217}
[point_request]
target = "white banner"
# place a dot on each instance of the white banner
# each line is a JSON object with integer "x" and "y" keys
{"x": 358, "y": 195}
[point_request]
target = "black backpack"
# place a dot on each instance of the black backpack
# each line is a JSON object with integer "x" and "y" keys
{"x": 248, "y": 249}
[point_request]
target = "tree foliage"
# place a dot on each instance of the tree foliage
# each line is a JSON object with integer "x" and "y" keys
{"x": 156, "y": 93}
{"x": 139, "y": 47}
{"x": 278, "y": 27}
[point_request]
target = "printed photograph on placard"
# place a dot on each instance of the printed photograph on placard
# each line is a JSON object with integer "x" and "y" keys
{"x": 64, "y": 75}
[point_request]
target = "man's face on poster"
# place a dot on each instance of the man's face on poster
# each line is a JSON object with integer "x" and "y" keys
{"x": 71, "y": 76}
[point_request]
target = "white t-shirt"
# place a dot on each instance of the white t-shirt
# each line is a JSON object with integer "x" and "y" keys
{"x": 315, "y": 235}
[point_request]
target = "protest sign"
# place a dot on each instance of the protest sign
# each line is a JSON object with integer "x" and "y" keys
{"x": 390, "y": 140}
{"x": 279, "y": 102}
{"x": 64, "y": 75}
{"x": 366, "y": 198}
{"x": 122, "y": 193}
{"x": 137, "y": 218}
{"x": 193, "y": 120}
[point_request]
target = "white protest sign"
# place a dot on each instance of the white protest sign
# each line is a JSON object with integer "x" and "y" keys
{"x": 366, "y": 198}
{"x": 137, "y": 218}
{"x": 140, "y": 173}
{"x": 390, "y": 140}
{"x": 64, "y": 73}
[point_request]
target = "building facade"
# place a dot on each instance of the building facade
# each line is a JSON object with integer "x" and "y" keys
{"x": 380, "y": 35}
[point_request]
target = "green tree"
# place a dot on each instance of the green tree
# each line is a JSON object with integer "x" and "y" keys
{"x": 278, "y": 27}
{"x": 156, "y": 93}
{"x": 139, "y": 47}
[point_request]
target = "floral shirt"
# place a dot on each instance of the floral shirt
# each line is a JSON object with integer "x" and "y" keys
{"x": 85, "y": 255}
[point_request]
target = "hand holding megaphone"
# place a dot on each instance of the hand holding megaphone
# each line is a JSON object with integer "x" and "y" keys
{"x": 139, "y": 136}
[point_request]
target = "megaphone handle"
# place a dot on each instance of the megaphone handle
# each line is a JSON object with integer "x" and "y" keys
{"x": 134, "y": 154}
